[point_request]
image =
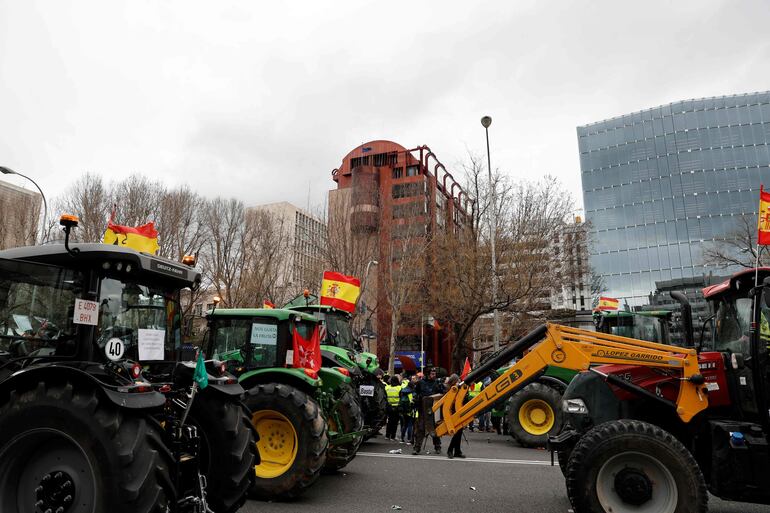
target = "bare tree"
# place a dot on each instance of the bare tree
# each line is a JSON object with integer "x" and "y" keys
{"x": 137, "y": 200}
{"x": 530, "y": 216}
{"x": 405, "y": 274}
{"x": 89, "y": 199}
{"x": 738, "y": 247}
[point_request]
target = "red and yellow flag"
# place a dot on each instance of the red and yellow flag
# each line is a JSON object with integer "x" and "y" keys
{"x": 266, "y": 303}
{"x": 763, "y": 224}
{"x": 141, "y": 238}
{"x": 607, "y": 303}
{"x": 340, "y": 291}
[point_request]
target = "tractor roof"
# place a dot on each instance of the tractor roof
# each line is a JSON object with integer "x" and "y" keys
{"x": 279, "y": 314}
{"x": 643, "y": 313}
{"x": 310, "y": 309}
{"x": 730, "y": 283}
{"x": 91, "y": 255}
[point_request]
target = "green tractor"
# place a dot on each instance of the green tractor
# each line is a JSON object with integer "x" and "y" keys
{"x": 97, "y": 404}
{"x": 308, "y": 419}
{"x": 339, "y": 348}
{"x": 534, "y": 413}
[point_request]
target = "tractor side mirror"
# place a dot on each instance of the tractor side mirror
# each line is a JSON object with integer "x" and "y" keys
{"x": 766, "y": 290}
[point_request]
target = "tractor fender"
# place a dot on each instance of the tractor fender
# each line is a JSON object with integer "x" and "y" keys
{"x": 553, "y": 382}
{"x": 232, "y": 389}
{"x": 30, "y": 376}
{"x": 332, "y": 379}
{"x": 293, "y": 377}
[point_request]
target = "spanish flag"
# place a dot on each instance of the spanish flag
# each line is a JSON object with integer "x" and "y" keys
{"x": 266, "y": 303}
{"x": 607, "y": 303}
{"x": 141, "y": 238}
{"x": 763, "y": 225}
{"x": 340, "y": 291}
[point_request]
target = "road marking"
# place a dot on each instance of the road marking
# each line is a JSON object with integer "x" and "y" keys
{"x": 439, "y": 457}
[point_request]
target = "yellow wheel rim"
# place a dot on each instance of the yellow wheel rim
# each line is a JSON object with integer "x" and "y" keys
{"x": 536, "y": 417}
{"x": 277, "y": 443}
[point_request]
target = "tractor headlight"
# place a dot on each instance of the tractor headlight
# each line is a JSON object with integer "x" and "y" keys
{"x": 574, "y": 406}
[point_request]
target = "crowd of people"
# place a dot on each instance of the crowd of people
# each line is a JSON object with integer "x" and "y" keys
{"x": 410, "y": 411}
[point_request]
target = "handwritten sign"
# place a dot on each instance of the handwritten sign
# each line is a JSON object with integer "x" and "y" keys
{"x": 86, "y": 312}
{"x": 151, "y": 344}
{"x": 264, "y": 334}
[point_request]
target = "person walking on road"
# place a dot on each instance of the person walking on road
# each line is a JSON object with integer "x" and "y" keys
{"x": 424, "y": 390}
{"x": 454, "y": 450}
{"x": 406, "y": 409}
{"x": 393, "y": 391}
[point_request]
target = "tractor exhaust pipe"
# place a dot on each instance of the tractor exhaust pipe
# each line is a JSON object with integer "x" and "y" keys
{"x": 684, "y": 304}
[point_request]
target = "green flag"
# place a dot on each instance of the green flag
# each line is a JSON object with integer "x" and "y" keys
{"x": 201, "y": 376}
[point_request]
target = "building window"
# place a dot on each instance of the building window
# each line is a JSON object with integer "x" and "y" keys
{"x": 406, "y": 190}
{"x": 397, "y": 172}
{"x": 209, "y": 306}
{"x": 198, "y": 309}
{"x": 412, "y": 170}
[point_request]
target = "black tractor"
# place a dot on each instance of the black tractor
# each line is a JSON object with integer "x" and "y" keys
{"x": 98, "y": 408}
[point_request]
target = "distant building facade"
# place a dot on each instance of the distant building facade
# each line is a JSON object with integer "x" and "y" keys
{"x": 575, "y": 292}
{"x": 394, "y": 195}
{"x": 661, "y": 184}
{"x": 20, "y": 213}
{"x": 304, "y": 233}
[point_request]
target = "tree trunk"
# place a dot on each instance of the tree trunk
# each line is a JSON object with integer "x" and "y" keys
{"x": 392, "y": 345}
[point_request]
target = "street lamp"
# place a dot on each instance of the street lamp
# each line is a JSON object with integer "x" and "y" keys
{"x": 8, "y": 171}
{"x": 485, "y": 122}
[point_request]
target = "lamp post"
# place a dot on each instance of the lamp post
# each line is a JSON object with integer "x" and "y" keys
{"x": 8, "y": 171}
{"x": 485, "y": 122}
{"x": 366, "y": 276}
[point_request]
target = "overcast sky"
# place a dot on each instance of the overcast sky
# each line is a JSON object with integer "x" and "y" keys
{"x": 260, "y": 101}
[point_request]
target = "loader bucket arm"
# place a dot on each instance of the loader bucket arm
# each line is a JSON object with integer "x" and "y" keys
{"x": 570, "y": 348}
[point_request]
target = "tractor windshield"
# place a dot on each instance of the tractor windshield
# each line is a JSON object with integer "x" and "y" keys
{"x": 338, "y": 331}
{"x": 732, "y": 325}
{"x": 138, "y": 321}
{"x": 37, "y": 309}
{"x": 230, "y": 336}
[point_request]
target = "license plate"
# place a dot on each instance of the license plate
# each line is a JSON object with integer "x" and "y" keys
{"x": 366, "y": 390}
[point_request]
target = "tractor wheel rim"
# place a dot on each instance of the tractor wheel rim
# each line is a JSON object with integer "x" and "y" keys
{"x": 277, "y": 443}
{"x": 536, "y": 417}
{"x": 636, "y": 480}
{"x": 45, "y": 469}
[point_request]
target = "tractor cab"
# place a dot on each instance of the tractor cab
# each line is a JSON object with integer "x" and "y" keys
{"x": 652, "y": 326}
{"x": 125, "y": 305}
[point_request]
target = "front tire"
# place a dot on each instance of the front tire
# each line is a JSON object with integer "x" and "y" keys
{"x": 292, "y": 440}
{"x": 534, "y": 414}
{"x": 65, "y": 446}
{"x": 228, "y": 449}
{"x": 629, "y": 465}
{"x": 346, "y": 418}
{"x": 375, "y": 408}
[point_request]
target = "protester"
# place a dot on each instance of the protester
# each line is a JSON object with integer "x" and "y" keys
{"x": 425, "y": 388}
{"x": 406, "y": 409}
{"x": 454, "y": 450}
{"x": 392, "y": 390}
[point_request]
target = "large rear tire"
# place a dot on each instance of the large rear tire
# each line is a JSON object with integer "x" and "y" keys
{"x": 63, "y": 446}
{"x": 629, "y": 465}
{"x": 534, "y": 414}
{"x": 375, "y": 408}
{"x": 346, "y": 418}
{"x": 228, "y": 449}
{"x": 292, "y": 440}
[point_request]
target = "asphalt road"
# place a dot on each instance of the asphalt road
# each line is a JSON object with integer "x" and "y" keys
{"x": 505, "y": 477}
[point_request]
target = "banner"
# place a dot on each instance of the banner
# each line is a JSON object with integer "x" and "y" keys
{"x": 340, "y": 291}
{"x": 307, "y": 353}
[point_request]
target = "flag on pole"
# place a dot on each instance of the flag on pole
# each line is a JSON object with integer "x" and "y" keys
{"x": 466, "y": 369}
{"x": 266, "y": 303}
{"x": 200, "y": 376}
{"x": 763, "y": 224}
{"x": 141, "y": 238}
{"x": 340, "y": 291}
{"x": 307, "y": 352}
{"x": 608, "y": 303}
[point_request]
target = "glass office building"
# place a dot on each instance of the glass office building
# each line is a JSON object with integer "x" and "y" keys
{"x": 662, "y": 184}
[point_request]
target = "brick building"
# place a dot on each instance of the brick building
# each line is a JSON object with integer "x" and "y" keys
{"x": 398, "y": 197}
